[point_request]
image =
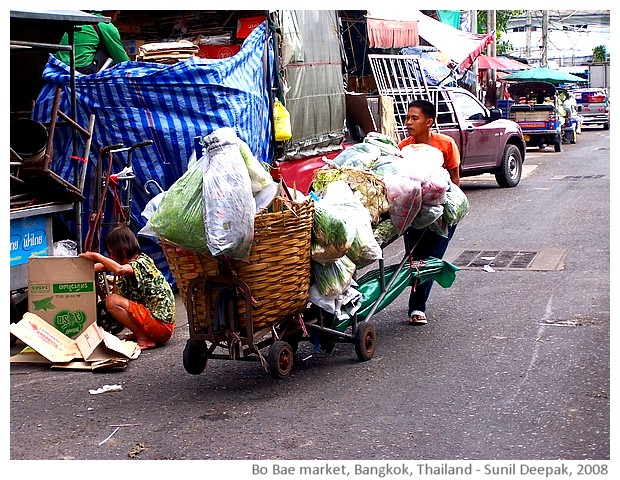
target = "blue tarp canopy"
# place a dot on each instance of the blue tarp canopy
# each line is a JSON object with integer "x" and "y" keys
{"x": 169, "y": 104}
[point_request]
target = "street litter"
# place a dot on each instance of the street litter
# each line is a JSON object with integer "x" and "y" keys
{"x": 488, "y": 268}
{"x": 109, "y": 436}
{"x": 106, "y": 388}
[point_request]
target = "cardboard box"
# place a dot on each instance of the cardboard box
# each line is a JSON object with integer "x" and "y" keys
{"x": 93, "y": 349}
{"x": 61, "y": 290}
{"x": 132, "y": 46}
{"x": 245, "y": 25}
{"x": 217, "y": 51}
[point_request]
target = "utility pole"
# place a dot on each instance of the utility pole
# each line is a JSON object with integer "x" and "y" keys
{"x": 545, "y": 38}
{"x": 473, "y": 28}
{"x": 492, "y": 77}
{"x": 528, "y": 35}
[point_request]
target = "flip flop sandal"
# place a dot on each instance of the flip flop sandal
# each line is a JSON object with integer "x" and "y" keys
{"x": 418, "y": 318}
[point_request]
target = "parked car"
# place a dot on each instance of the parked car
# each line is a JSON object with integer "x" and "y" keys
{"x": 593, "y": 106}
{"x": 487, "y": 142}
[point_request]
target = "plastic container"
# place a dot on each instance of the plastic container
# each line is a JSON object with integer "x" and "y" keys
{"x": 282, "y": 121}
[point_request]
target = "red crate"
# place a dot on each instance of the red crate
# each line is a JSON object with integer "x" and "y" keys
{"x": 217, "y": 51}
{"x": 245, "y": 25}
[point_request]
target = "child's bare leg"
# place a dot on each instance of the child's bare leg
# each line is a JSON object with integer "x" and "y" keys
{"x": 118, "y": 306}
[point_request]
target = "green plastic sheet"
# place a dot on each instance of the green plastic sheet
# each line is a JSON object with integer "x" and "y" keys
{"x": 369, "y": 284}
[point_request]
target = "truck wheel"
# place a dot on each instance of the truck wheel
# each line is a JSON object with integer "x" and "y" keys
{"x": 605, "y": 126}
{"x": 511, "y": 167}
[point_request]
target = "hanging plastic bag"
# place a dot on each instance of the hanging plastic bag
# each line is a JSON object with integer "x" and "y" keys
{"x": 229, "y": 211}
{"x": 282, "y": 122}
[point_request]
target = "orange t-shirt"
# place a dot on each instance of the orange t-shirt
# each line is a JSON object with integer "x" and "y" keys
{"x": 447, "y": 146}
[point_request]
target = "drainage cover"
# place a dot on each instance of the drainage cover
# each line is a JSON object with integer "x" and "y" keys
{"x": 545, "y": 259}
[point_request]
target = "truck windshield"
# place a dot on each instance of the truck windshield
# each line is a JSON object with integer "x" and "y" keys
{"x": 469, "y": 107}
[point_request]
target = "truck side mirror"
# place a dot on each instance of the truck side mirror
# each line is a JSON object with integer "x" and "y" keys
{"x": 496, "y": 114}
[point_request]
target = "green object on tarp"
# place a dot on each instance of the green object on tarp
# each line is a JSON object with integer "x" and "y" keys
{"x": 369, "y": 284}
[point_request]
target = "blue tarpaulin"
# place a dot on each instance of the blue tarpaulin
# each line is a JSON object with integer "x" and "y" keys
{"x": 168, "y": 104}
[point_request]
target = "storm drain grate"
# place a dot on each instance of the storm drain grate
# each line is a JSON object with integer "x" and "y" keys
{"x": 578, "y": 177}
{"x": 545, "y": 259}
{"x": 494, "y": 258}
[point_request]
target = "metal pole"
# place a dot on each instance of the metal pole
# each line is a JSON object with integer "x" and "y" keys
{"x": 545, "y": 38}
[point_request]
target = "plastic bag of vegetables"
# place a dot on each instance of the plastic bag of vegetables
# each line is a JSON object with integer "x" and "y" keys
{"x": 367, "y": 187}
{"x": 404, "y": 198}
{"x": 178, "y": 218}
{"x": 229, "y": 210}
{"x": 360, "y": 155}
{"x": 385, "y": 143}
{"x": 456, "y": 206}
{"x": 332, "y": 232}
{"x": 427, "y": 215}
{"x": 333, "y": 279}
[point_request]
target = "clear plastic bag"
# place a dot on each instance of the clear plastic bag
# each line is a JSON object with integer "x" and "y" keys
{"x": 229, "y": 208}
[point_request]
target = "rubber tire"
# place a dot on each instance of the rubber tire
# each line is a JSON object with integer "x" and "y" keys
{"x": 195, "y": 357}
{"x": 511, "y": 167}
{"x": 606, "y": 126}
{"x": 557, "y": 147}
{"x": 280, "y": 359}
{"x": 365, "y": 341}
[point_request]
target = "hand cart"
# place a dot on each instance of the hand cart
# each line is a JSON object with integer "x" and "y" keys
{"x": 230, "y": 318}
{"x": 119, "y": 187}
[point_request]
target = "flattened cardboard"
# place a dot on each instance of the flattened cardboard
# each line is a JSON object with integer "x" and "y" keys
{"x": 45, "y": 339}
{"x": 94, "y": 349}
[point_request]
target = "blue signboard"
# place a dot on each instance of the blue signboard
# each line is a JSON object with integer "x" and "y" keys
{"x": 28, "y": 238}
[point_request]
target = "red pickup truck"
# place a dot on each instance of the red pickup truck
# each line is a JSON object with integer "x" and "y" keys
{"x": 487, "y": 142}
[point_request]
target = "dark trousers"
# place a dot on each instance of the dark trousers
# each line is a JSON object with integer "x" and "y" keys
{"x": 425, "y": 244}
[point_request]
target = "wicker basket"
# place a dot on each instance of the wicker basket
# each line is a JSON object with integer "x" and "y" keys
{"x": 278, "y": 271}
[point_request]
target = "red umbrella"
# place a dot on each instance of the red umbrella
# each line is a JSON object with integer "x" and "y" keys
{"x": 500, "y": 63}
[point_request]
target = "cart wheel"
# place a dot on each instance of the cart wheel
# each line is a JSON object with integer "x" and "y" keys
{"x": 195, "y": 357}
{"x": 280, "y": 359}
{"x": 365, "y": 341}
{"x": 106, "y": 321}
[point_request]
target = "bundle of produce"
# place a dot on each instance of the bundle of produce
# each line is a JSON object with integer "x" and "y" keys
{"x": 456, "y": 206}
{"x": 427, "y": 215}
{"x": 178, "y": 217}
{"x": 385, "y": 232}
{"x": 425, "y": 163}
{"x": 342, "y": 227}
{"x": 264, "y": 189}
{"x": 360, "y": 155}
{"x": 332, "y": 232}
{"x": 404, "y": 199}
{"x": 367, "y": 187}
{"x": 365, "y": 249}
{"x": 333, "y": 279}
{"x": 228, "y": 202}
{"x": 385, "y": 143}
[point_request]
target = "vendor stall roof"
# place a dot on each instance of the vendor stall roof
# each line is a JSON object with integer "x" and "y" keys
{"x": 70, "y": 16}
{"x": 461, "y": 47}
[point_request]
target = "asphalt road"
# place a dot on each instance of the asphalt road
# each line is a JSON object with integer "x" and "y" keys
{"x": 514, "y": 364}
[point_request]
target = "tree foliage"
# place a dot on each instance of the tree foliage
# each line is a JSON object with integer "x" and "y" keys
{"x": 502, "y": 19}
{"x": 599, "y": 53}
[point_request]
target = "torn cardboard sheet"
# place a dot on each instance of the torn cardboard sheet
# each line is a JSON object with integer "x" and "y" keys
{"x": 93, "y": 349}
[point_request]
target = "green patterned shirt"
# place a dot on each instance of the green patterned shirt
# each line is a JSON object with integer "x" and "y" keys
{"x": 149, "y": 287}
